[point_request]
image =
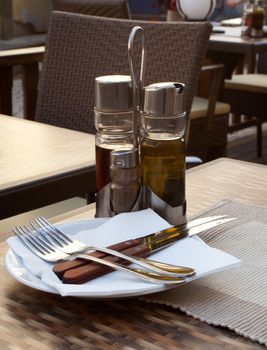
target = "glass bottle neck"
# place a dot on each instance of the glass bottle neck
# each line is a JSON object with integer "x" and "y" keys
{"x": 163, "y": 128}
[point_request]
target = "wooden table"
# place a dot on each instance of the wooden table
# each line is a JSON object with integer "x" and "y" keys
{"x": 230, "y": 49}
{"x": 42, "y": 164}
{"x": 32, "y": 319}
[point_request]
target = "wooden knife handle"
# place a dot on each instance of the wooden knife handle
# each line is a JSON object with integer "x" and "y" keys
{"x": 92, "y": 270}
{"x": 60, "y": 268}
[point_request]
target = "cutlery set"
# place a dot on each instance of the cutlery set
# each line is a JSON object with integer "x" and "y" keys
{"x": 77, "y": 263}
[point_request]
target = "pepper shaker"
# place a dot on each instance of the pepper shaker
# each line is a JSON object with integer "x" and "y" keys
{"x": 125, "y": 186}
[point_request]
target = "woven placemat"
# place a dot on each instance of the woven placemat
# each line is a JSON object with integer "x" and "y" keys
{"x": 236, "y": 298}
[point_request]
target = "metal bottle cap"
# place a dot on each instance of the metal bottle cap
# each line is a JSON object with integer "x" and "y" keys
{"x": 113, "y": 93}
{"x": 123, "y": 158}
{"x": 164, "y": 99}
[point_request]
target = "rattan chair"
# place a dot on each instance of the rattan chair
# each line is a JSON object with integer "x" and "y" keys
{"x": 247, "y": 95}
{"x": 103, "y": 8}
{"x": 80, "y": 48}
{"x": 209, "y": 117}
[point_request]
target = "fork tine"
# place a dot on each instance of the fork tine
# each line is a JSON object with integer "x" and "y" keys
{"x": 42, "y": 228}
{"x": 28, "y": 243}
{"x": 43, "y": 223}
{"x": 46, "y": 234}
{"x": 34, "y": 238}
{"x": 25, "y": 235}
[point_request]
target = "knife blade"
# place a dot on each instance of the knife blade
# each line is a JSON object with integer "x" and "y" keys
{"x": 164, "y": 238}
{"x": 79, "y": 271}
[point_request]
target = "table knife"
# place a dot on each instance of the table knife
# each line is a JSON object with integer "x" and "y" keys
{"x": 80, "y": 271}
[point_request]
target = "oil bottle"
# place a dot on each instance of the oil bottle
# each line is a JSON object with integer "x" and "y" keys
{"x": 162, "y": 151}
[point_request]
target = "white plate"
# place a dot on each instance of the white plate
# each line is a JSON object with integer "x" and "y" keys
{"x": 15, "y": 267}
{"x": 192, "y": 252}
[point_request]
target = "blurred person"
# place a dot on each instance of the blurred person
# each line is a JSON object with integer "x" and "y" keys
{"x": 227, "y": 9}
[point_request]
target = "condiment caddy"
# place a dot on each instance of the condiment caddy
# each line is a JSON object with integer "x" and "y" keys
{"x": 140, "y": 150}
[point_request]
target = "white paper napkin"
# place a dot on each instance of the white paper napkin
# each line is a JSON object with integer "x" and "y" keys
{"x": 187, "y": 252}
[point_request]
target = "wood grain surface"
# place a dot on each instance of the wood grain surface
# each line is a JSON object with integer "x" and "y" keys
{"x": 42, "y": 163}
{"x": 37, "y": 320}
{"x": 31, "y": 151}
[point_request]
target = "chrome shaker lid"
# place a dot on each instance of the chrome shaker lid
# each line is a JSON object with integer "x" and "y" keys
{"x": 164, "y": 99}
{"x": 123, "y": 158}
{"x": 113, "y": 93}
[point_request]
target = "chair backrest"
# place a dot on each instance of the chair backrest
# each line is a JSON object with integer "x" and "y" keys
{"x": 80, "y": 48}
{"x": 103, "y": 8}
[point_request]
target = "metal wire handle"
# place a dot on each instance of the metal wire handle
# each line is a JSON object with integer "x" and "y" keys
{"x": 138, "y": 84}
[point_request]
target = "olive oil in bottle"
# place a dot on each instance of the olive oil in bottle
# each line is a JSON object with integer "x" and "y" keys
{"x": 162, "y": 151}
{"x": 163, "y": 169}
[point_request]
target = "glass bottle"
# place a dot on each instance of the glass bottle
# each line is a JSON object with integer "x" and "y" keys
{"x": 257, "y": 19}
{"x": 114, "y": 124}
{"x": 253, "y": 18}
{"x": 162, "y": 151}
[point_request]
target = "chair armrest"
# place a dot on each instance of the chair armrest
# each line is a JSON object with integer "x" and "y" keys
{"x": 215, "y": 83}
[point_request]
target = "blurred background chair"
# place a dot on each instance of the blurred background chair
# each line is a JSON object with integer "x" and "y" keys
{"x": 79, "y": 48}
{"x": 28, "y": 60}
{"x": 103, "y": 8}
{"x": 18, "y": 55}
{"x": 209, "y": 117}
{"x": 247, "y": 96}
{"x": 207, "y": 145}
{"x": 21, "y": 43}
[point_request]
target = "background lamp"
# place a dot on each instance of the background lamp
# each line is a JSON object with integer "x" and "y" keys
{"x": 195, "y": 10}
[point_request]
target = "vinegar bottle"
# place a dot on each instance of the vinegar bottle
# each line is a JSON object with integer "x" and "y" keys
{"x": 114, "y": 124}
{"x": 162, "y": 151}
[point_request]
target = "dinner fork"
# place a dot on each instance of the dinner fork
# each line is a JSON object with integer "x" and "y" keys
{"x": 46, "y": 252}
{"x": 69, "y": 245}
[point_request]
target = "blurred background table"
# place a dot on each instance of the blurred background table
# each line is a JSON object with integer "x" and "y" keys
{"x": 230, "y": 48}
{"x": 42, "y": 164}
